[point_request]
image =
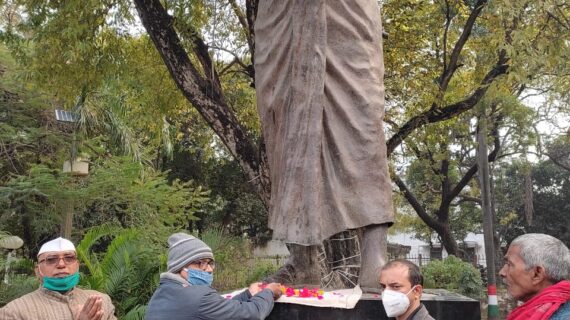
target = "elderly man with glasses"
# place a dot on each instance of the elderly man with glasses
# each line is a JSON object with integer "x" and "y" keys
{"x": 185, "y": 293}
{"x": 59, "y": 297}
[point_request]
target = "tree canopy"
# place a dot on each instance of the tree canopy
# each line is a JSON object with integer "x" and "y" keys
{"x": 170, "y": 84}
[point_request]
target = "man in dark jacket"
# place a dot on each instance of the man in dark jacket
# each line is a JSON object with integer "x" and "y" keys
{"x": 402, "y": 284}
{"x": 185, "y": 293}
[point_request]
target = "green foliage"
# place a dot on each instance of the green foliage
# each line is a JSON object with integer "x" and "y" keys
{"x": 455, "y": 275}
{"x": 551, "y": 189}
{"x": 421, "y": 43}
{"x": 117, "y": 191}
{"x": 26, "y": 207}
{"x": 125, "y": 268}
{"x": 232, "y": 256}
{"x": 20, "y": 276}
{"x": 20, "y": 285}
{"x": 27, "y": 134}
{"x": 136, "y": 313}
{"x": 235, "y": 265}
{"x": 261, "y": 270}
{"x": 242, "y": 210}
{"x": 132, "y": 195}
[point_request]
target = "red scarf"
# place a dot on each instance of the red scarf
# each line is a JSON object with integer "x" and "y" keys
{"x": 544, "y": 304}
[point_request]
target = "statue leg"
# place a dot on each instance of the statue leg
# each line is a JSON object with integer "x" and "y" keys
{"x": 302, "y": 267}
{"x": 373, "y": 256}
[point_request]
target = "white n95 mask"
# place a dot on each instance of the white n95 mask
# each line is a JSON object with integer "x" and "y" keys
{"x": 395, "y": 303}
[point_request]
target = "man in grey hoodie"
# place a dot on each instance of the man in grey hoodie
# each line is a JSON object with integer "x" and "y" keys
{"x": 185, "y": 293}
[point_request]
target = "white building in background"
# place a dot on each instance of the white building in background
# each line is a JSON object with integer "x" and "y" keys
{"x": 405, "y": 245}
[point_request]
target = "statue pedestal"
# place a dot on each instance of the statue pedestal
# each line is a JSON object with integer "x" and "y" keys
{"x": 441, "y": 304}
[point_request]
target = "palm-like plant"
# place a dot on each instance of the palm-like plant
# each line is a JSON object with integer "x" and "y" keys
{"x": 127, "y": 270}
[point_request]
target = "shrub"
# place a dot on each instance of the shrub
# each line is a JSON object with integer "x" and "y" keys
{"x": 20, "y": 285}
{"x": 454, "y": 275}
{"x": 235, "y": 265}
{"x": 261, "y": 269}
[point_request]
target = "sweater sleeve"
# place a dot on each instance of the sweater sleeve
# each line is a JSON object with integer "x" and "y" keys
{"x": 6, "y": 313}
{"x": 242, "y": 296}
{"x": 215, "y": 307}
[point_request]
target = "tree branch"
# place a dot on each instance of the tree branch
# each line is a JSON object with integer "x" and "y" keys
{"x": 454, "y": 58}
{"x": 204, "y": 95}
{"x": 236, "y": 57}
{"x": 445, "y": 32}
{"x": 426, "y": 218}
{"x": 240, "y": 15}
{"x": 251, "y": 12}
{"x": 465, "y": 198}
{"x": 247, "y": 23}
{"x": 560, "y": 22}
{"x": 434, "y": 115}
{"x": 472, "y": 170}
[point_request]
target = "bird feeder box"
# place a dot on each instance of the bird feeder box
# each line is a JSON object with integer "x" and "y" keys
{"x": 77, "y": 167}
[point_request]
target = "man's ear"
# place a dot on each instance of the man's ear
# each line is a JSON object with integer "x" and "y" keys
{"x": 418, "y": 290}
{"x": 539, "y": 275}
{"x": 38, "y": 273}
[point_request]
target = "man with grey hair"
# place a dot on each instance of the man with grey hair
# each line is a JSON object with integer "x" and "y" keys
{"x": 537, "y": 272}
{"x": 185, "y": 293}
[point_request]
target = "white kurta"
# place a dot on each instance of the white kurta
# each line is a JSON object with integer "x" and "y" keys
{"x": 319, "y": 81}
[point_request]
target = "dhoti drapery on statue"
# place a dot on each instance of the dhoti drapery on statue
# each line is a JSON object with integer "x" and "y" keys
{"x": 319, "y": 81}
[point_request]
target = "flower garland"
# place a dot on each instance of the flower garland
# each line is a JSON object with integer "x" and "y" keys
{"x": 300, "y": 293}
{"x": 303, "y": 293}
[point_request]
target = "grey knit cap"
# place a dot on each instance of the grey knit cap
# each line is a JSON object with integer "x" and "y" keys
{"x": 183, "y": 249}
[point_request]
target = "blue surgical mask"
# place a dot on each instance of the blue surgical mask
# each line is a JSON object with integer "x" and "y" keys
{"x": 61, "y": 284}
{"x": 199, "y": 277}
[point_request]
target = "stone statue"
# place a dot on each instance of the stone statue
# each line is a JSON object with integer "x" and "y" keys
{"x": 319, "y": 81}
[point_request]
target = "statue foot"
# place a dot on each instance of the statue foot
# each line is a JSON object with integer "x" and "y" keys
{"x": 373, "y": 253}
{"x": 302, "y": 267}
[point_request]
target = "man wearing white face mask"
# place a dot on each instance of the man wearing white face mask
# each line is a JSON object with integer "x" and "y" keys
{"x": 402, "y": 284}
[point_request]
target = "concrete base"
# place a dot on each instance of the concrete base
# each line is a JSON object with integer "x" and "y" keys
{"x": 441, "y": 304}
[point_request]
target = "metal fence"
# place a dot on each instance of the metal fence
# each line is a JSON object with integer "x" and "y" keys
{"x": 421, "y": 260}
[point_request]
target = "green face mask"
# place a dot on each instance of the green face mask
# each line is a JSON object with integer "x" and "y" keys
{"x": 61, "y": 284}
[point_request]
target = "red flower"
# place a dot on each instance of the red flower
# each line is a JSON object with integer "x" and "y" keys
{"x": 303, "y": 293}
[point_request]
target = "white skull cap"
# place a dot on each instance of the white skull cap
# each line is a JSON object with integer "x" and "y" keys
{"x": 57, "y": 245}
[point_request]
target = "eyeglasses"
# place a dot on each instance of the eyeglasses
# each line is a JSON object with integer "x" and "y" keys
{"x": 54, "y": 260}
{"x": 205, "y": 263}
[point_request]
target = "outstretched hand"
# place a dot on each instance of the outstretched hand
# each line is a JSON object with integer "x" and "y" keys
{"x": 276, "y": 289}
{"x": 92, "y": 309}
{"x": 255, "y": 288}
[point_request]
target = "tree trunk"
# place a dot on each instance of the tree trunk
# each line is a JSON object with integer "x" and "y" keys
{"x": 202, "y": 90}
{"x": 449, "y": 242}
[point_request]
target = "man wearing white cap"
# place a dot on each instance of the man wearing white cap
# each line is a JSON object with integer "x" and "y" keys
{"x": 184, "y": 292}
{"x": 58, "y": 297}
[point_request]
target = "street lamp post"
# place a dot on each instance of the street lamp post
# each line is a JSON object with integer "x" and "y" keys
{"x": 74, "y": 166}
